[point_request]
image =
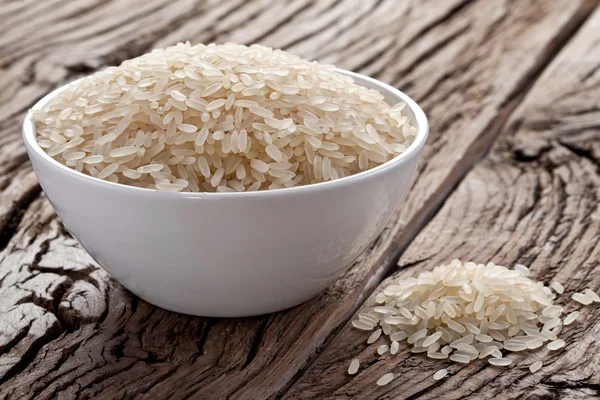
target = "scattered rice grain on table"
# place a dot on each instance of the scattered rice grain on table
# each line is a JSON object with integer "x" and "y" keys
{"x": 221, "y": 118}
{"x": 592, "y": 295}
{"x": 441, "y": 374}
{"x": 374, "y": 336}
{"x": 500, "y": 362}
{"x": 557, "y": 287}
{"x": 385, "y": 379}
{"x": 353, "y": 368}
{"x": 556, "y": 344}
{"x": 464, "y": 311}
{"x": 569, "y": 319}
{"x": 582, "y": 298}
{"x": 536, "y": 366}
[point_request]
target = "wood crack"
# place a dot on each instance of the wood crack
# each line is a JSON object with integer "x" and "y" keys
{"x": 285, "y": 21}
{"x": 27, "y": 357}
{"x": 310, "y": 34}
{"x": 451, "y": 14}
{"x": 255, "y": 342}
{"x": 560, "y": 40}
{"x": 11, "y": 220}
{"x": 438, "y": 46}
{"x": 581, "y": 152}
{"x": 64, "y": 356}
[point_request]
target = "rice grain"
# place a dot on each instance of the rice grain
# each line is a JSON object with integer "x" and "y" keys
{"x": 353, "y": 368}
{"x": 501, "y": 362}
{"x": 557, "y": 287}
{"x": 556, "y": 344}
{"x": 385, "y": 379}
{"x": 374, "y": 336}
{"x": 535, "y": 366}
{"x": 582, "y": 298}
{"x": 441, "y": 374}
{"x": 202, "y": 99}
{"x": 569, "y": 319}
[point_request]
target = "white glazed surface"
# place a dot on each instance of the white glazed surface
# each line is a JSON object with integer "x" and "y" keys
{"x": 229, "y": 254}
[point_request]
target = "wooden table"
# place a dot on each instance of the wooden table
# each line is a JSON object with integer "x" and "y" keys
{"x": 511, "y": 173}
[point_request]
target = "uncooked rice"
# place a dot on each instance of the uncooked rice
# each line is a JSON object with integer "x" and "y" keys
{"x": 382, "y": 349}
{"x": 536, "y": 366}
{"x": 385, "y": 379}
{"x": 582, "y": 298}
{"x": 353, "y": 368}
{"x": 589, "y": 293}
{"x": 569, "y": 319}
{"x": 374, "y": 336}
{"x": 221, "y": 118}
{"x": 466, "y": 311}
{"x": 500, "y": 362}
{"x": 440, "y": 374}
{"x": 557, "y": 287}
{"x": 556, "y": 344}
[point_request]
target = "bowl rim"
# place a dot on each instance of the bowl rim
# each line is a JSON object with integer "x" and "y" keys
{"x": 29, "y": 137}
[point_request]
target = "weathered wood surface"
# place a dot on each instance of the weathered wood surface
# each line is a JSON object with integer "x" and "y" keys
{"x": 67, "y": 330}
{"x": 534, "y": 200}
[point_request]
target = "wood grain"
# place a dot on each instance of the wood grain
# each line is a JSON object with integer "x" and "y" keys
{"x": 534, "y": 200}
{"x": 71, "y": 331}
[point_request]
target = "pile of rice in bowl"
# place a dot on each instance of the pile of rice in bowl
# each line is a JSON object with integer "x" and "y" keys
{"x": 221, "y": 118}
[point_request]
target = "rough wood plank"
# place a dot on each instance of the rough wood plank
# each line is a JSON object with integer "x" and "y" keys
{"x": 534, "y": 200}
{"x": 109, "y": 343}
{"x": 53, "y": 285}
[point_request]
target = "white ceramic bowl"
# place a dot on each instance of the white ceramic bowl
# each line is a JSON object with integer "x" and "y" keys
{"x": 229, "y": 254}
